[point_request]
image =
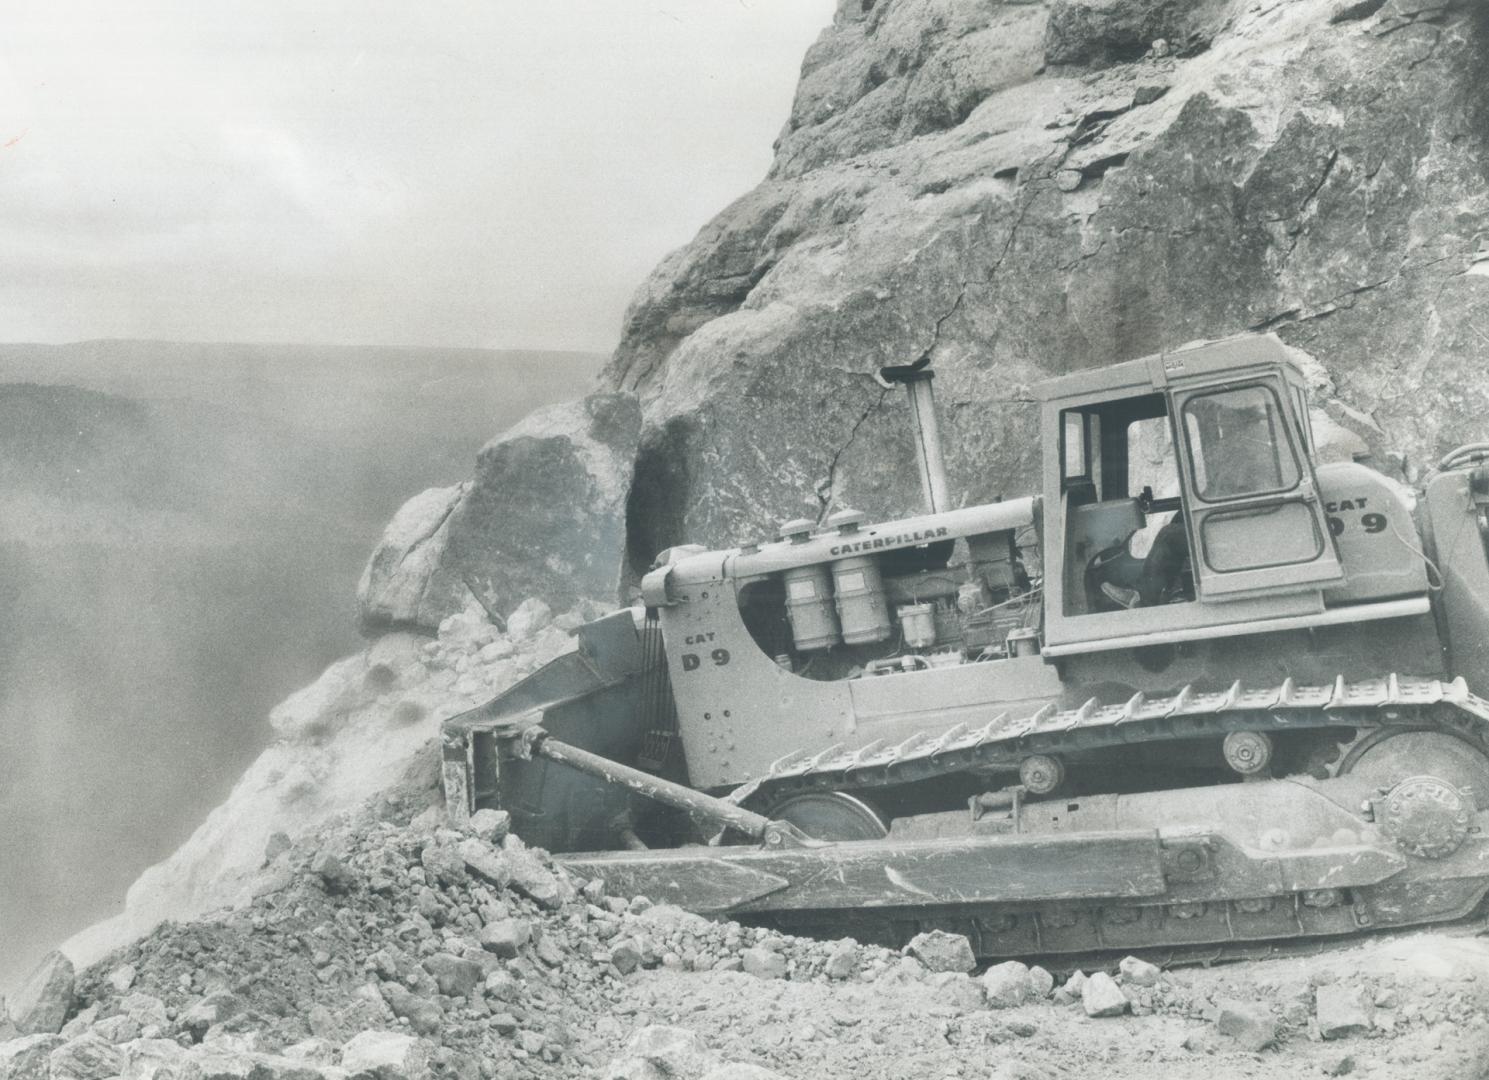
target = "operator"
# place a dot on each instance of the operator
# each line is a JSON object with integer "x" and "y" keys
{"x": 1161, "y": 571}
{"x": 1164, "y": 563}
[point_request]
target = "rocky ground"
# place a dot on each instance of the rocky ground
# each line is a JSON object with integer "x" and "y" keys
{"x": 386, "y": 945}
{"x": 324, "y": 933}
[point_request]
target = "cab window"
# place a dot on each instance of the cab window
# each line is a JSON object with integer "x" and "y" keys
{"x": 1077, "y": 460}
{"x": 1238, "y": 444}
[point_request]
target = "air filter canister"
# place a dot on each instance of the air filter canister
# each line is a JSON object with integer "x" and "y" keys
{"x": 862, "y": 609}
{"x": 814, "y": 620}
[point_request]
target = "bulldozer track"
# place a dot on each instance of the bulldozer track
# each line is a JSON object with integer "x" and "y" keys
{"x": 1186, "y": 713}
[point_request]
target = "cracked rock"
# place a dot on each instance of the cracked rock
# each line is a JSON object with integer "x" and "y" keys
{"x": 455, "y": 977}
{"x": 764, "y": 963}
{"x": 386, "y": 1055}
{"x": 1136, "y": 972}
{"x": 43, "y": 1001}
{"x": 1101, "y": 996}
{"x": 1041, "y": 982}
{"x": 1007, "y": 984}
{"x": 670, "y": 1052}
{"x": 482, "y": 859}
{"x": 333, "y": 872}
{"x": 490, "y": 825}
{"x": 90, "y": 1057}
{"x": 1340, "y": 1010}
{"x": 940, "y": 951}
{"x": 530, "y": 877}
{"x": 1249, "y": 1025}
{"x": 27, "y": 1058}
{"x": 505, "y": 936}
{"x": 556, "y": 482}
{"x": 842, "y": 962}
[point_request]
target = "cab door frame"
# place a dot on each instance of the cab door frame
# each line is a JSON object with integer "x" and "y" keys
{"x": 1258, "y": 538}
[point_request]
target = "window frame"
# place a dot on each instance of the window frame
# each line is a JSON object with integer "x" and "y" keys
{"x": 1282, "y": 427}
{"x": 1087, "y": 474}
{"x": 1320, "y": 541}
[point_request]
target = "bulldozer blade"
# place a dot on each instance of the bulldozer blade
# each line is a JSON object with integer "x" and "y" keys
{"x": 878, "y": 873}
{"x": 1178, "y": 866}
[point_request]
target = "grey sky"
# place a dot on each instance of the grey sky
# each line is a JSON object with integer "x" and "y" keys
{"x": 488, "y": 173}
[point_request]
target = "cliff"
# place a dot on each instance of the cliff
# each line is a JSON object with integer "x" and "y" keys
{"x": 1019, "y": 189}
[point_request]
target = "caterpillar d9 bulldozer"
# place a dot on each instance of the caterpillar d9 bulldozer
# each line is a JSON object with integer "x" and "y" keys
{"x": 1202, "y": 690}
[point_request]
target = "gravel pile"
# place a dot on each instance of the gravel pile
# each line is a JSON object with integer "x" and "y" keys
{"x": 470, "y": 944}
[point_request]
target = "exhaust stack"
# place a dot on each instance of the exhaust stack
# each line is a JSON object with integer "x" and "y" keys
{"x": 916, "y": 379}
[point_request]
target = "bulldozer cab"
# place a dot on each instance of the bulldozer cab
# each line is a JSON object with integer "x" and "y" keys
{"x": 1180, "y": 496}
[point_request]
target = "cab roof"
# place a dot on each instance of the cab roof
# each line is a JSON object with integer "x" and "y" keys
{"x": 1149, "y": 374}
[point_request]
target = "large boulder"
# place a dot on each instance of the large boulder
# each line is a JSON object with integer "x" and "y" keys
{"x": 145, "y": 1059}
{"x": 43, "y": 1001}
{"x": 545, "y": 515}
{"x": 658, "y": 1052}
{"x": 940, "y": 951}
{"x": 402, "y": 583}
{"x": 28, "y": 1058}
{"x": 386, "y": 1055}
{"x": 1007, "y": 984}
{"x": 89, "y": 1057}
{"x": 1308, "y": 168}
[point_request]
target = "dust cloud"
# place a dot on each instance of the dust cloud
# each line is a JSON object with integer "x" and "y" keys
{"x": 181, "y": 533}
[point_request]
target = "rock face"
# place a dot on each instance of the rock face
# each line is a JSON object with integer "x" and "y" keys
{"x": 1109, "y": 31}
{"x": 544, "y": 515}
{"x": 1023, "y": 189}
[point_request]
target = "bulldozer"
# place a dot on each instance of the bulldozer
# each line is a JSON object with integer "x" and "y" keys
{"x": 1203, "y": 690}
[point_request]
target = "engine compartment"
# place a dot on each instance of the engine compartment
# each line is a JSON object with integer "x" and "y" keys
{"x": 863, "y": 614}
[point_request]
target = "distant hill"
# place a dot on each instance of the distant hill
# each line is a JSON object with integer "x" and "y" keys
{"x": 181, "y": 531}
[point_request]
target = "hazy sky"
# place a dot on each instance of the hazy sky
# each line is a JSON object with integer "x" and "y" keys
{"x": 494, "y": 173}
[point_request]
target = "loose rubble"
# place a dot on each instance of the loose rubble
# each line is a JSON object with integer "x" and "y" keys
{"x": 383, "y": 945}
{"x": 391, "y": 947}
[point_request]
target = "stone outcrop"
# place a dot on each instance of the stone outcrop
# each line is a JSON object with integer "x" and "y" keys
{"x": 1111, "y": 31}
{"x": 544, "y": 515}
{"x": 1020, "y": 189}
